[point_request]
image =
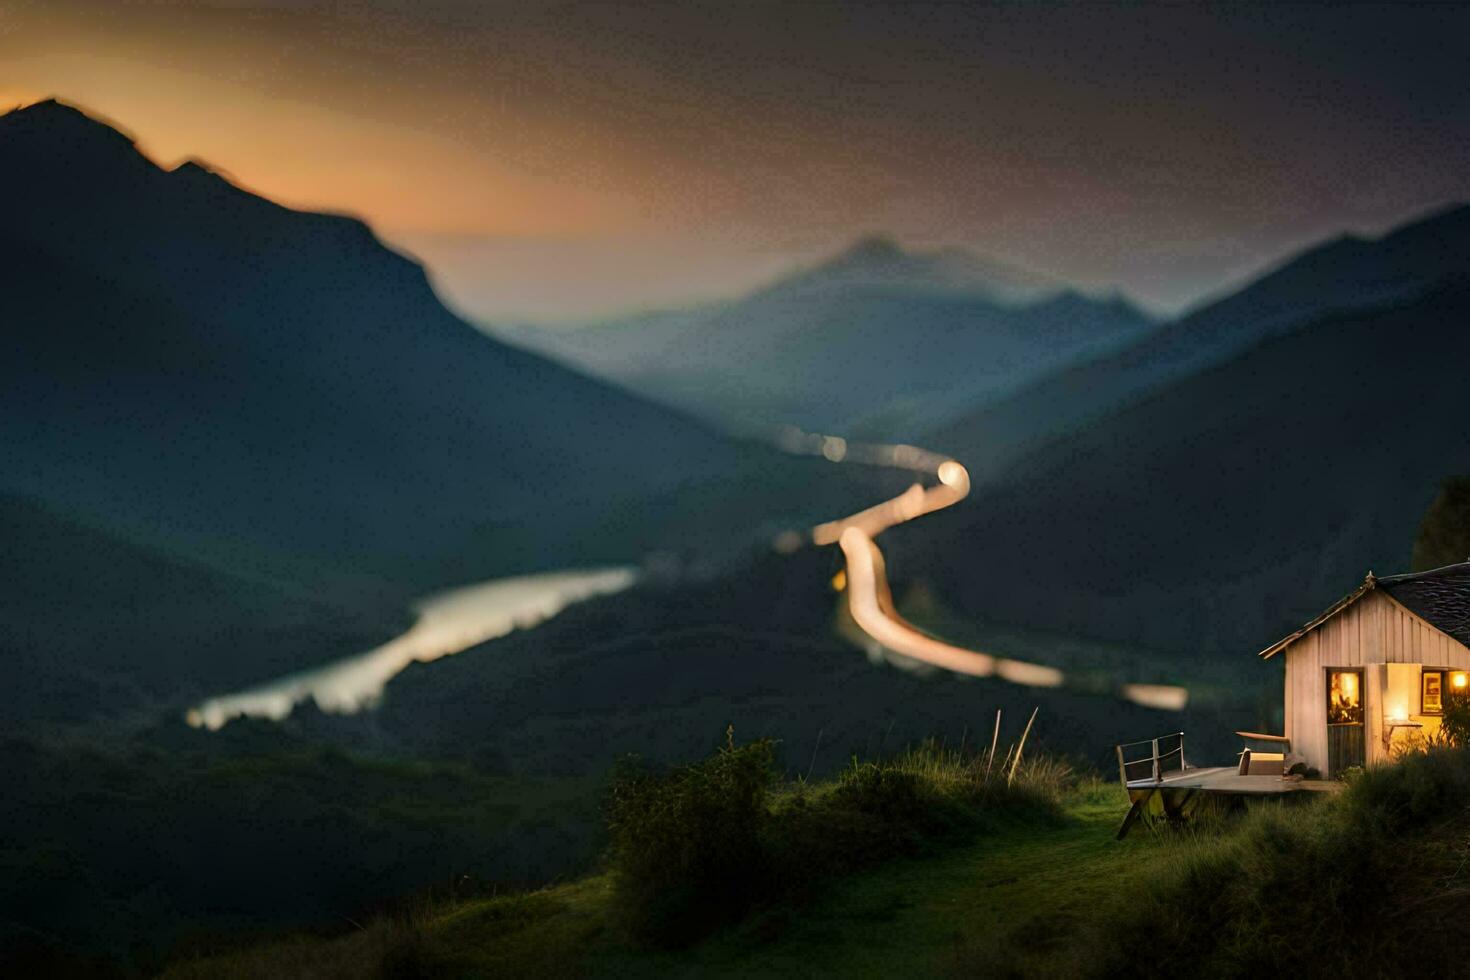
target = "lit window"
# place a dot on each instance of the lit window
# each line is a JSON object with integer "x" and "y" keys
{"x": 1431, "y": 700}
{"x": 1344, "y": 698}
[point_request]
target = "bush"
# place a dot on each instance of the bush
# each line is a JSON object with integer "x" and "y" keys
{"x": 1422, "y": 787}
{"x": 686, "y": 848}
{"x": 702, "y": 845}
{"x": 1455, "y": 723}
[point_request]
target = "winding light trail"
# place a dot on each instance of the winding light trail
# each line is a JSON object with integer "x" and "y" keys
{"x": 871, "y": 601}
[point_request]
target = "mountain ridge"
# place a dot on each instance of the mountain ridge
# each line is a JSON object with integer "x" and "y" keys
{"x": 872, "y": 344}
{"x": 1223, "y": 508}
{"x": 879, "y": 261}
{"x": 219, "y": 379}
{"x": 1340, "y": 275}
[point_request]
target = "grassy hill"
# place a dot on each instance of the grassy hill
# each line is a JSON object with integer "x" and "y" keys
{"x": 1359, "y": 885}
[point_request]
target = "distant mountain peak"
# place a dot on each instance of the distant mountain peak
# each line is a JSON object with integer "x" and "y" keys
{"x": 879, "y": 261}
{"x": 202, "y": 172}
{"x": 874, "y": 248}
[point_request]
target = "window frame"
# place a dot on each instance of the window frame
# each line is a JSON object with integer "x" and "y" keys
{"x": 1444, "y": 677}
{"x": 1362, "y": 706}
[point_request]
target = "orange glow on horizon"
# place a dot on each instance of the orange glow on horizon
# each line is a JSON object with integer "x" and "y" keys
{"x": 373, "y": 161}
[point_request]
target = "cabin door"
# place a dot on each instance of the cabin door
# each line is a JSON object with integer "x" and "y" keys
{"x": 1344, "y": 720}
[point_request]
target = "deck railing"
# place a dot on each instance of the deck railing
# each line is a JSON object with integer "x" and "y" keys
{"x": 1161, "y": 758}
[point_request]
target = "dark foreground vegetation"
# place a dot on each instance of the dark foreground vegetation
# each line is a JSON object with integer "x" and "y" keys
{"x": 706, "y": 844}
{"x": 716, "y": 844}
{"x": 923, "y": 865}
{"x": 1365, "y": 885}
{"x": 114, "y": 859}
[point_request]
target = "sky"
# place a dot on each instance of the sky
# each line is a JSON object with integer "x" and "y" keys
{"x": 566, "y": 160}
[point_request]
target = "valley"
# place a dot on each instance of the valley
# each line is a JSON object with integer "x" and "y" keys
{"x": 320, "y": 597}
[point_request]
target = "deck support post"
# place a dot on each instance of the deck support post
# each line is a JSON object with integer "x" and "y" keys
{"x": 1134, "y": 812}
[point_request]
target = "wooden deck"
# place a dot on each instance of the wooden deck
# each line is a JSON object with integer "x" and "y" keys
{"x": 1176, "y": 793}
{"x": 1225, "y": 779}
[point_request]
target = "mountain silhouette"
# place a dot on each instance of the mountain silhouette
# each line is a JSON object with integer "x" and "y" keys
{"x": 878, "y": 262}
{"x": 1337, "y": 276}
{"x": 877, "y": 342}
{"x": 191, "y": 360}
{"x": 264, "y": 394}
{"x": 1217, "y": 510}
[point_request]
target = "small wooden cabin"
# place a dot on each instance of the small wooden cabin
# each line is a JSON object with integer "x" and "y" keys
{"x": 1372, "y": 672}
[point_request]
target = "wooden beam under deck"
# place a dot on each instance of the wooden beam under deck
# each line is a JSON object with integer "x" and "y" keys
{"x": 1173, "y": 795}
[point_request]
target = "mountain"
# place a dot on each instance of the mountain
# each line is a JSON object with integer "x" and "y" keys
{"x": 221, "y": 383}
{"x": 879, "y": 262}
{"x": 1219, "y": 511}
{"x": 877, "y": 342}
{"x": 192, "y": 360}
{"x": 1345, "y": 274}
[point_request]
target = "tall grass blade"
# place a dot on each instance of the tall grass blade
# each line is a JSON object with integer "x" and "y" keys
{"x": 994, "y": 738}
{"x": 1017, "y": 761}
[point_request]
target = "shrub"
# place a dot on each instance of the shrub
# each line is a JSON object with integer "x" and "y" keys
{"x": 686, "y": 848}
{"x": 699, "y": 846}
{"x": 1422, "y": 787}
{"x": 1455, "y": 724}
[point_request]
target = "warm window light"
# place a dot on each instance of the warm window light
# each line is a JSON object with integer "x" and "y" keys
{"x": 1344, "y": 698}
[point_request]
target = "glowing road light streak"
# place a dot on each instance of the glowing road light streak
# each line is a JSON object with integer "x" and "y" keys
{"x": 1166, "y": 697}
{"x": 834, "y": 448}
{"x": 914, "y": 502}
{"x": 871, "y": 602}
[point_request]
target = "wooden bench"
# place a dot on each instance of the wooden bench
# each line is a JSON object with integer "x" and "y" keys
{"x": 1254, "y": 762}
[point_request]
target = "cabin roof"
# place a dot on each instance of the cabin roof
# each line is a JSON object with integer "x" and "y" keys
{"x": 1440, "y": 596}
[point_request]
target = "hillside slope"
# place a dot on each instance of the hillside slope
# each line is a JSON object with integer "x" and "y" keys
{"x": 1338, "y": 276}
{"x": 192, "y": 362}
{"x": 1218, "y": 513}
{"x": 206, "y": 380}
{"x": 94, "y": 627}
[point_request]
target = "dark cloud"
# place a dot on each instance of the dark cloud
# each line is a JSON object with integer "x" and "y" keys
{"x": 1164, "y": 148}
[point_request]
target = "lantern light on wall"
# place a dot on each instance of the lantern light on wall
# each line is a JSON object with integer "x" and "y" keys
{"x": 1400, "y": 690}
